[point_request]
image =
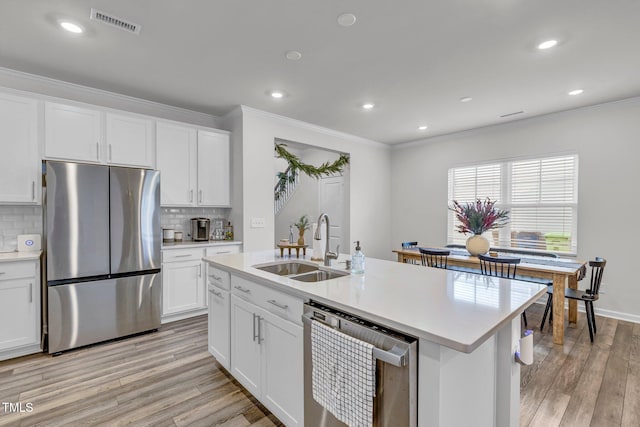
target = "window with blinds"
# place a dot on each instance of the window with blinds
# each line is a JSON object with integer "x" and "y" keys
{"x": 540, "y": 194}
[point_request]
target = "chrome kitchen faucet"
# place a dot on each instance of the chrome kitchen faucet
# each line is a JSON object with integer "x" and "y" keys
{"x": 328, "y": 255}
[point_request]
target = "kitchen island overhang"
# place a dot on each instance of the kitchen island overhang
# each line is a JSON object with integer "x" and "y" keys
{"x": 468, "y": 326}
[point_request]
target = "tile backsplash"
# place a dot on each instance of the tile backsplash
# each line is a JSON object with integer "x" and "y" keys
{"x": 15, "y": 220}
{"x": 180, "y": 218}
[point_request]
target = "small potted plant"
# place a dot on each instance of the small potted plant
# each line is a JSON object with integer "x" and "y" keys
{"x": 302, "y": 225}
{"x": 476, "y": 218}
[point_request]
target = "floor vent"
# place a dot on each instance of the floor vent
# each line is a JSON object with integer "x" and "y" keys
{"x": 114, "y": 21}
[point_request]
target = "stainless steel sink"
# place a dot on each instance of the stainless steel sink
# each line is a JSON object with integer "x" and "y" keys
{"x": 287, "y": 268}
{"x": 319, "y": 276}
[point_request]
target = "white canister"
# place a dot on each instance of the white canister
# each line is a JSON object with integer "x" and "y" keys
{"x": 168, "y": 234}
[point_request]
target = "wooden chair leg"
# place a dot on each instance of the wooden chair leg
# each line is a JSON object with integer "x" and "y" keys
{"x": 546, "y": 311}
{"x": 593, "y": 318}
{"x": 589, "y": 322}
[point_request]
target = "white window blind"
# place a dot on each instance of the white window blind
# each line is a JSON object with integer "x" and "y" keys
{"x": 541, "y": 195}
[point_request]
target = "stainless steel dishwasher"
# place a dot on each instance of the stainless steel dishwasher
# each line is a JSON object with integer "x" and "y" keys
{"x": 395, "y": 403}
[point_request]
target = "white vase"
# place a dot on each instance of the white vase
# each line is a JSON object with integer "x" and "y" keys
{"x": 477, "y": 245}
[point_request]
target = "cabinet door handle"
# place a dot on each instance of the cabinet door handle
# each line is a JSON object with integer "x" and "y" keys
{"x": 191, "y": 196}
{"x": 110, "y": 153}
{"x": 277, "y": 304}
{"x": 30, "y": 292}
{"x": 200, "y": 270}
{"x": 260, "y": 339}
{"x": 241, "y": 289}
{"x": 200, "y": 196}
{"x": 97, "y": 150}
{"x": 2, "y": 272}
{"x": 254, "y": 328}
{"x": 33, "y": 190}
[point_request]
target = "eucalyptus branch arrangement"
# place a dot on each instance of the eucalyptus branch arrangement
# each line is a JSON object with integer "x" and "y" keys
{"x": 295, "y": 165}
{"x": 303, "y": 223}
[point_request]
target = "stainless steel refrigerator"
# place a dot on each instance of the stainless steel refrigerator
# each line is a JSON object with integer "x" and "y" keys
{"x": 103, "y": 239}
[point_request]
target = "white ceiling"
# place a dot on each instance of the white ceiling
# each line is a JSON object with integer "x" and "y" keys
{"x": 413, "y": 58}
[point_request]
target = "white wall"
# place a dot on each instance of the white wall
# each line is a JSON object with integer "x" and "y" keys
{"x": 605, "y": 137}
{"x": 369, "y": 179}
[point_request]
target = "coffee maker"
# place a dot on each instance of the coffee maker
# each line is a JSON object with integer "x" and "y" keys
{"x": 200, "y": 228}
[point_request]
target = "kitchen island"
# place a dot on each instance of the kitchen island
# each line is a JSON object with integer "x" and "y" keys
{"x": 468, "y": 327}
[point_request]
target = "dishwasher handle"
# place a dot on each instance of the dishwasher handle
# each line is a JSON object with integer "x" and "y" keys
{"x": 396, "y": 356}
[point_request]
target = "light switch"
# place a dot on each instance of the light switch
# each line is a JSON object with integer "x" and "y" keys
{"x": 257, "y": 222}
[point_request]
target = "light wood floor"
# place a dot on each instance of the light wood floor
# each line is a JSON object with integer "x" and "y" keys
{"x": 169, "y": 379}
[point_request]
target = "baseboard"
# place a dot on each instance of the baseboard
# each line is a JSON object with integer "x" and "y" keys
{"x": 20, "y": 351}
{"x": 184, "y": 315}
{"x": 634, "y": 318}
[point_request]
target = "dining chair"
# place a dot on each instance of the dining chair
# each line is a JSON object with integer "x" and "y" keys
{"x": 588, "y": 296}
{"x": 505, "y": 267}
{"x": 409, "y": 245}
{"x": 436, "y": 258}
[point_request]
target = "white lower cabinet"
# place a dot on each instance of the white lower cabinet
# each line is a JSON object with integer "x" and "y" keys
{"x": 19, "y": 308}
{"x": 183, "y": 291}
{"x": 267, "y": 348}
{"x": 219, "y": 327}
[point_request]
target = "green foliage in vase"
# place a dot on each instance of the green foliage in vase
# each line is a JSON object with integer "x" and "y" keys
{"x": 303, "y": 223}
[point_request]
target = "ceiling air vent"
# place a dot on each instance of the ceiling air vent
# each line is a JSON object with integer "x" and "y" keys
{"x": 511, "y": 114}
{"x": 114, "y": 21}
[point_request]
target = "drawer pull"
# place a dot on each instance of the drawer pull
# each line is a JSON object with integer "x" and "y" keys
{"x": 216, "y": 293}
{"x": 216, "y": 278}
{"x": 183, "y": 256}
{"x": 241, "y": 289}
{"x": 277, "y": 304}
{"x": 223, "y": 252}
{"x": 2, "y": 272}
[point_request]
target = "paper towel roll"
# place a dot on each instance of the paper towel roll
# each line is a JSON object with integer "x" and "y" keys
{"x": 318, "y": 245}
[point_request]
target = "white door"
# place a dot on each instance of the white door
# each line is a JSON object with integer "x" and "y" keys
{"x": 282, "y": 368}
{"x": 176, "y": 160}
{"x": 245, "y": 345}
{"x": 213, "y": 169}
{"x": 72, "y": 133}
{"x": 18, "y": 315}
{"x": 129, "y": 140}
{"x": 182, "y": 285}
{"x": 219, "y": 318}
{"x": 331, "y": 195}
{"x": 19, "y": 162}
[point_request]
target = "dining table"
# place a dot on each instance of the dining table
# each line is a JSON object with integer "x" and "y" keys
{"x": 562, "y": 272}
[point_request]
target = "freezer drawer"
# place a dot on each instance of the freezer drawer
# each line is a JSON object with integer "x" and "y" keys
{"x": 90, "y": 312}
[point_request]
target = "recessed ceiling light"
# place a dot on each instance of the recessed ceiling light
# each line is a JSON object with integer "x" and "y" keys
{"x": 423, "y": 127}
{"x": 347, "y": 19}
{"x": 465, "y": 99}
{"x": 277, "y": 94}
{"x": 293, "y": 55}
{"x": 547, "y": 44}
{"x": 368, "y": 105}
{"x": 576, "y": 92}
{"x": 71, "y": 27}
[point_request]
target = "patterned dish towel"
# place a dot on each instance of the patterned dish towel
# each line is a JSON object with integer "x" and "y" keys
{"x": 344, "y": 375}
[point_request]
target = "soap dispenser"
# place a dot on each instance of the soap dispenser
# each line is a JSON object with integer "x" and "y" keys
{"x": 357, "y": 260}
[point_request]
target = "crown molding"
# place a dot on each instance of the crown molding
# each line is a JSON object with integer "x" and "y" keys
{"x": 176, "y": 113}
{"x": 488, "y": 128}
{"x": 314, "y": 128}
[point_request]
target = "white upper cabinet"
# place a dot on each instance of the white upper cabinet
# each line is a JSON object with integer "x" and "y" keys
{"x": 194, "y": 165}
{"x": 72, "y": 133}
{"x": 213, "y": 169}
{"x": 20, "y": 161}
{"x": 129, "y": 140}
{"x": 176, "y": 148}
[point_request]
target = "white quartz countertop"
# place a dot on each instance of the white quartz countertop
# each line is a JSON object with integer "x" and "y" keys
{"x": 19, "y": 256}
{"x": 455, "y": 309}
{"x": 198, "y": 244}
